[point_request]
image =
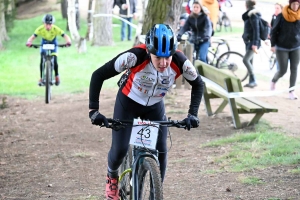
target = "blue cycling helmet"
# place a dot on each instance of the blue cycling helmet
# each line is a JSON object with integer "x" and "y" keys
{"x": 161, "y": 40}
{"x": 48, "y": 19}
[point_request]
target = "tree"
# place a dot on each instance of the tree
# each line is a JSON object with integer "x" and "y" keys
{"x": 89, "y": 20}
{"x": 3, "y": 32}
{"x": 64, "y": 8}
{"x": 162, "y": 11}
{"x": 80, "y": 42}
{"x": 102, "y": 25}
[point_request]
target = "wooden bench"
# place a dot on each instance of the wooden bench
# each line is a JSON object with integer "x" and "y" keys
{"x": 238, "y": 105}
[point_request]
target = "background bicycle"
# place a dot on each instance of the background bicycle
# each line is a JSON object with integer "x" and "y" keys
{"x": 140, "y": 177}
{"x": 220, "y": 56}
{"x": 223, "y": 19}
{"x": 48, "y": 78}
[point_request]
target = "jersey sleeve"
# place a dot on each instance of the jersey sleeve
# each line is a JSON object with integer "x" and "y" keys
{"x": 38, "y": 31}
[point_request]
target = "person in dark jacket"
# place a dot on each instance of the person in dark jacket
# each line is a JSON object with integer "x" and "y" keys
{"x": 285, "y": 41}
{"x": 201, "y": 26}
{"x": 127, "y": 12}
{"x": 278, "y": 9}
{"x": 251, "y": 38}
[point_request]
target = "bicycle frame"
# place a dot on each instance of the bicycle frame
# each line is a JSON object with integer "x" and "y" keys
{"x": 47, "y": 74}
{"x": 139, "y": 153}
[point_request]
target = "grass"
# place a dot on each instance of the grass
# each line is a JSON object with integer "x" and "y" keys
{"x": 256, "y": 150}
{"x": 19, "y": 65}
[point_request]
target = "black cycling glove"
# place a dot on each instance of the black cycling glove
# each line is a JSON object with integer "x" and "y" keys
{"x": 98, "y": 119}
{"x": 191, "y": 122}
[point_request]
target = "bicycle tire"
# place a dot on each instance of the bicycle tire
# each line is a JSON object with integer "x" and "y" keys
{"x": 48, "y": 81}
{"x": 233, "y": 62}
{"x": 226, "y": 23}
{"x": 125, "y": 189}
{"x": 149, "y": 180}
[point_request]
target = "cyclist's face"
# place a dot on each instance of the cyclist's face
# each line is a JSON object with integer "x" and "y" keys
{"x": 196, "y": 8}
{"x": 48, "y": 26}
{"x": 277, "y": 10}
{"x": 294, "y": 6}
{"x": 160, "y": 63}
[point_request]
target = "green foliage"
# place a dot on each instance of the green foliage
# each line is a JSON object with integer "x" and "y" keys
{"x": 20, "y": 65}
{"x": 251, "y": 180}
{"x": 259, "y": 149}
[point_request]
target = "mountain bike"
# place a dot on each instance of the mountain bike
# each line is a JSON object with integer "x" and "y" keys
{"x": 48, "y": 78}
{"x": 140, "y": 177}
{"x": 230, "y": 61}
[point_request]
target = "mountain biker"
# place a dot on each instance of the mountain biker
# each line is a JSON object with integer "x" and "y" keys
{"x": 150, "y": 70}
{"x": 48, "y": 31}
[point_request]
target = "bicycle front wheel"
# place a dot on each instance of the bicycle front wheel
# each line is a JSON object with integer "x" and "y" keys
{"x": 149, "y": 180}
{"x": 125, "y": 190}
{"x": 48, "y": 81}
{"x": 232, "y": 62}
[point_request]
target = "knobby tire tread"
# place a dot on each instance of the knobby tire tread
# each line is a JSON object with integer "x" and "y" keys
{"x": 149, "y": 165}
{"x": 227, "y": 56}
{"x": 48, "y": 81}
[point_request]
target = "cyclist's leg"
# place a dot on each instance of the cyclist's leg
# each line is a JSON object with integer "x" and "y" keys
{"x": 55, "y": 65}
{"x": 41, "y": 65}
{"x": 124, "y": 109}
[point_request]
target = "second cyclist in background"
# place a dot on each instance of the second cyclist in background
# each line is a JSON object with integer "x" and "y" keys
{"x": 48, "y": 31}
{"x": 201, "y": 26}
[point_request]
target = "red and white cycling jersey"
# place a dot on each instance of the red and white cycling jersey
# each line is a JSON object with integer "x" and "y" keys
{"x": 143, "y": 83}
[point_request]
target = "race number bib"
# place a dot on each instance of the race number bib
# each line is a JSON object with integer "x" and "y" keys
{"x": 48, "y": 46}
{"x": 144, "y": 134}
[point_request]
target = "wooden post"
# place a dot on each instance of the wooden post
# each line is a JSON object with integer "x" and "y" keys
{"x": 189, "y": 54}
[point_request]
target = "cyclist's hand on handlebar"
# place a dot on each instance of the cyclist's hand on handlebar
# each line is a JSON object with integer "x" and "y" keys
{"x": 98, "y": 119}
{"x": 28, "y": 44}
{"x": 68, "y": 44}
{"x": 191, "y": 122}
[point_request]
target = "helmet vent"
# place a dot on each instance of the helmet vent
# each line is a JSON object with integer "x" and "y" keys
{"x": 164, "y": 44}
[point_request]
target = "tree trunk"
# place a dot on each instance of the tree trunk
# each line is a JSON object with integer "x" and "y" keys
{"x": 64, "y": 8}
{"x": 102, "y": 26}
{"x": 88, "y": 35}
{"x": 162, "y": 11}
{"x": 3, "y": 32}
{"x": 80, "y": 42}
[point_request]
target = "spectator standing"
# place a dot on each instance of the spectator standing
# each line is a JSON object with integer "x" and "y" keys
{"x": 285, "y": 41}
{"x": 251, "y": 38}
{"x": 277, "y": 10}
{"x": 200, "y": 25}
{"x": 127, "y": 12}
{"x": 213, "y": 8}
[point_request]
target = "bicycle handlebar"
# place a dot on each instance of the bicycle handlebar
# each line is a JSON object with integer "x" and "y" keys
{"x": 39, "y": 45}
{"x": 117, "y": 124}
